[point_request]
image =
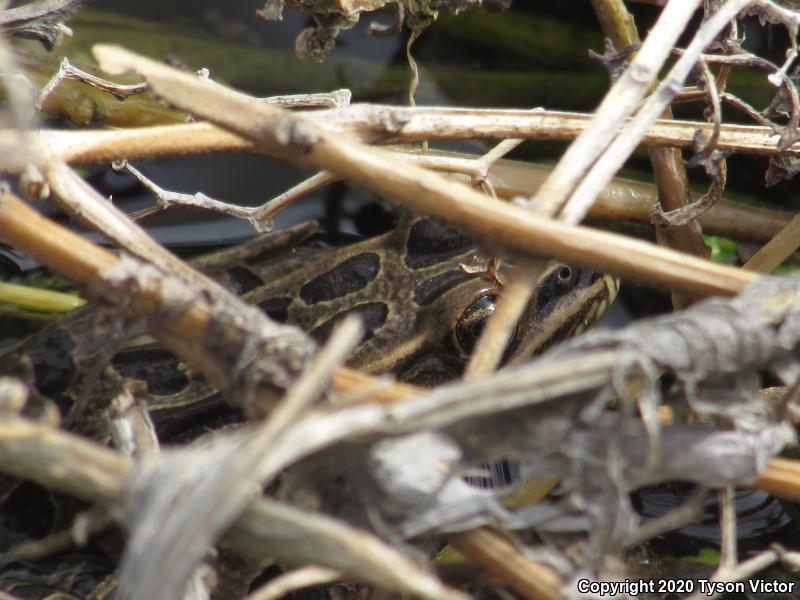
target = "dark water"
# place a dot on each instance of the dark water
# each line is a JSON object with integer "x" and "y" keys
{"x": 759, "y": 516}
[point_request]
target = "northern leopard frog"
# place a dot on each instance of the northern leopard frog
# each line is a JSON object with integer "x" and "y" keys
{"x": 422, "y": 306}
{"x": 422, "y": 309}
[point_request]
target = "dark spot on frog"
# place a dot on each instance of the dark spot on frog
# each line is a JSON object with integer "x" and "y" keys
{"x": 373, "y": 315}
{"x": 431, "y": 365}
{"x": 52, "y": 362}
{"x": 184, "y": 424}
{"x": 432, "y": 241}
{"x": 432, "y": 288}
{"x": 346, "y": 278}
{"x": 243, "y": 280}
{"x": 28, "y": 512}
{"x": 276, "y": 308}
{"x": 156, "y": 366}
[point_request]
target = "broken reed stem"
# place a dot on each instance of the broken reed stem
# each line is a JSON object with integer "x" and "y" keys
{"x": 298, "y": 139}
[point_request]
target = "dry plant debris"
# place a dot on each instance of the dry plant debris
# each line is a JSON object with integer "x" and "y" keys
{"x": 330, "y": 18}
{"x": 353, "y": 477}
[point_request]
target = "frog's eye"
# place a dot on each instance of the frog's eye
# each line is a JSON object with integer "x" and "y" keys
{"x": 470, "y": 323}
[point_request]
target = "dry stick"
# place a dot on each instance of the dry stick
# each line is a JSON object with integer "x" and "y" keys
{"x": 500, "y": 555}
{"x": 298, "y": 139}
{"x": 607, "y": 165}
{"x": 483, "y": 545}
{"x": 498, "y": 330}
{"x": 744, "y": 570}
{"x": 778, "y": 249}
{"x": 621, "y": 101}
{"x": 633, "y": 200}
{"x": 493, "y": 340}
{"x": 728, "y": 555}
{"x": 68, "y": 71}
{"x": 380, "y": 124}
{"x": 781, "y": 478}
{"x": 688, "y": 512}
{"x": 482, "y": 165}
{"x": 260, "y": 217}
{"x": 78, "y": 198}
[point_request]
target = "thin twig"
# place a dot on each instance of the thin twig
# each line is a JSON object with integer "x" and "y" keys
{"x": 782, "y": 479}
{"x": 728, "y": 557}
{"x": 485, "y": 163}
{"x": 68, "y": 71}
{"x": 493, "y": 340}
{"x": 498, "y": 330}
{"x": 260, "y": 217}
{"x": 684, "y": 514}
